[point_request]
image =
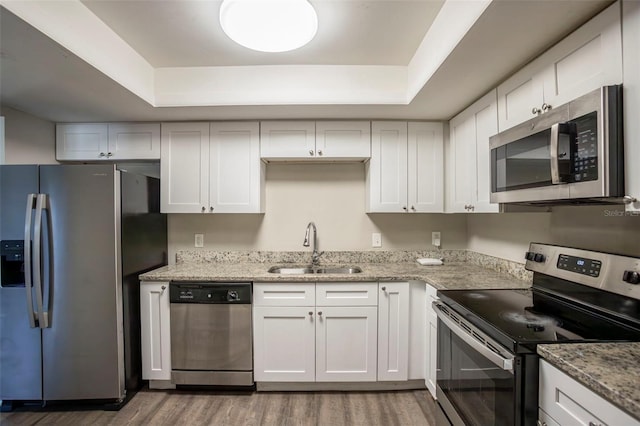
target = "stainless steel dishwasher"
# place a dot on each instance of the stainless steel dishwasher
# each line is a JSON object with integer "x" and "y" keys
{"x": 211, "y": 338}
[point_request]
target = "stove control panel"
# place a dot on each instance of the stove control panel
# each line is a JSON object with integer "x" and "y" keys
{"x": 579, "y": 265}
{"x": 535, "y": 257}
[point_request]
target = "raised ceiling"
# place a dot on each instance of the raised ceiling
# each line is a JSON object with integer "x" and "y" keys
{"x": 169, "y": 60}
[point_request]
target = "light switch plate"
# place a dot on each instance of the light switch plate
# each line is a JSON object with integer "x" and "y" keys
{"x": 435, "y": 238}
{"x": 376, "y": 240}
{"x": 199, "y": 240}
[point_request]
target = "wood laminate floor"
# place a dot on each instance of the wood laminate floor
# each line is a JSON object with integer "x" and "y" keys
{"x": 182, "y": 407}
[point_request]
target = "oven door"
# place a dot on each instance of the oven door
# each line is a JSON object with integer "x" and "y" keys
{"x": 476, "y": 384}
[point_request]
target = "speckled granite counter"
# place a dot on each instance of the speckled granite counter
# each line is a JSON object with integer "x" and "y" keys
{"x": 612, "y": 370}
{"x": 456, "y": 274}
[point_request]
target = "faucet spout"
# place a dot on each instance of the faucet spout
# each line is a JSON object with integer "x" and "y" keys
{"x": 315, "y": 256}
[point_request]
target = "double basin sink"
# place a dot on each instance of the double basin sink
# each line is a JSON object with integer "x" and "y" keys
{"x": 320, "y": 270}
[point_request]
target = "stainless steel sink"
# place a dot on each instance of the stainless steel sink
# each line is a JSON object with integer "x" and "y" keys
{"x": 285, "y": 270}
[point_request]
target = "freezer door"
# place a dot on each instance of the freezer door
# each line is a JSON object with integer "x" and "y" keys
{"x": 83, "y": 342}
{"x": 20, "y": 345}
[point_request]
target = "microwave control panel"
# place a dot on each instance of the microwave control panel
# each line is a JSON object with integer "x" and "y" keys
{"x": 584, "y": 149}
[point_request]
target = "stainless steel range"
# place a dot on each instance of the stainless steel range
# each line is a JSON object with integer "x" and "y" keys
{"x": 487, "y": 361}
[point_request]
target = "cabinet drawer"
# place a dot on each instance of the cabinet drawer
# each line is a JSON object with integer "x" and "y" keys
{"x": 347, "y": 294}
{"x": 284, "y": 294}
{"x": 571, "y": 403}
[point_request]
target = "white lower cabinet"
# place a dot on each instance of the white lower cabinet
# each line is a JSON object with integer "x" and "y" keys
{"x": 393, "y": 331}
{"x": 155, "y": 330}
{"x": 331, "y": 336}
{"x": 564, "y": 401}
{"x": 346, "y": 343}
{"x": 431, "y": 341}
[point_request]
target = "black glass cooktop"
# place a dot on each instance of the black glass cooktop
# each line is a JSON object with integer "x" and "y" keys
{"x": 521, "y": 319}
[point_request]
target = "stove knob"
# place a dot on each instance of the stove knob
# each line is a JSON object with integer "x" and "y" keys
{"x": 232, "y": 295}
{"x": 631, "y": 277}
{"x": 529, "y": 255}
{"x": 539, "y": 257}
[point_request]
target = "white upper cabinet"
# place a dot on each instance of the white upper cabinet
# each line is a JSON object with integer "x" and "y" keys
{"x": 468, "y": 173}
{"x": 405, "y": 170}
{"x": 184, "y": 168}
{"x": 237, "y": 180}
{"x": 287, "y": 139}
{"x": 588, "y": 58}
{"x": 107, "y": 141}
{"x": 211, "y": 168}
{"x": 315, "y": 140}
{"x": 343, "y": 139}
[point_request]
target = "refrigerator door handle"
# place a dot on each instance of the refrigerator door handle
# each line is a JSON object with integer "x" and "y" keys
{"x": 28, "y": 284}
{"x": 41, "y": 202}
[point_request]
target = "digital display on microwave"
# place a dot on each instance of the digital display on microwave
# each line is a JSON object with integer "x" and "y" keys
{"x": 584, "y": 148}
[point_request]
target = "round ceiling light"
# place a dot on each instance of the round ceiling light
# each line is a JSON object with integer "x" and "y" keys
{"x": 269, "y": 25}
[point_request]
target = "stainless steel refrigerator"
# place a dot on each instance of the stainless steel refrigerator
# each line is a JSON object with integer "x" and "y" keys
{"x": 74, "y": 239}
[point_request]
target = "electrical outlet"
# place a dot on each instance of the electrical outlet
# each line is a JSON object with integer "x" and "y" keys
{"x": 199, "y": 240}
{"x": 435, "y": 239}
{"x": 376, "y": 240}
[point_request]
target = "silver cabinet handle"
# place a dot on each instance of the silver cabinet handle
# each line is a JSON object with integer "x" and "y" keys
{"x": 320, "y": 153}
{"x": 310, "y": 152}
{"x": 404, "y": 208}
{"x": 101, "y": 154}
{"x": 210, "y": 209}
{"x": 546, "y": 107}
{"x": 320, "y": 313}
{"x": 109, "y": 154}
{"x": 590, "y": 424}
{"x": 536, "y": 111}
{"x": 413, "y": 208}
{"x": 203, "y": 209}
{"x": 384, "y": 289}
{"x": 27, "y": 259}
{"x": 163, "y": 288}
{"x": 310, "y": 313}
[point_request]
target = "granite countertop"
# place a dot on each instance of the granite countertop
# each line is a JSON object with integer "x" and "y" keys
{"x": 451, "y": 275}
{"x": 612, "y": 370}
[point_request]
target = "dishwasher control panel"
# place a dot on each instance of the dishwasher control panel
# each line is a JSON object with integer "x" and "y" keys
{"x": 210, "y": 292}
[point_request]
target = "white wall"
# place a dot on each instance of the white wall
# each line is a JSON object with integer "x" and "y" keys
{"x": 601, "y": 228}
{"x": 331, "y": 195}
{"x": 28, "y": 139}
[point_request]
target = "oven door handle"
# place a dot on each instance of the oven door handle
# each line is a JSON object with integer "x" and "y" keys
{"x": 505, "y": 363}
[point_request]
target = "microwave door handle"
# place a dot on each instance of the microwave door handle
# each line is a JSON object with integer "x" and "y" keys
{"x": 553, "y": 154}
{"x": 505, "y": 364}
{"x": 28, "y": 285}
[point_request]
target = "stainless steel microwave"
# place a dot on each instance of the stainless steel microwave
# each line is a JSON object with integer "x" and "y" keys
{"x": 571, "y": 153}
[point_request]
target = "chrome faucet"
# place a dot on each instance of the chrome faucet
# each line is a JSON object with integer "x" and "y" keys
{"x": 315, "y": 256}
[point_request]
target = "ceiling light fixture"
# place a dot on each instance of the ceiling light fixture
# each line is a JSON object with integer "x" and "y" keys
{"x": 269, "y": 25}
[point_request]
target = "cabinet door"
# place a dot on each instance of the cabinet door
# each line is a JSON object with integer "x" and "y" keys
{"x": 134, "y": 141}
{"x": 461, "y": 160}
{"x": 425, "y": 163}
{"x": 83, "y": 141}
{"x": 343, "y": 139}
{"x": 393, "y": 331}
{"x": 432, "y": 341}
{"x": 155, "y": 330}
{"x": 387, "y": 169}
{"x": 571, "y": 403}
{"x": 486, "y": 123}
{"x": 346, "y": 343}
{"x": 236, "y": 171}
{"x": 184, "y": 168}
{"x": 287, "y": 139}
{"x": 284, "y": 344}
{"x": 520, "y": 96}
{"x": 587, "y": 59}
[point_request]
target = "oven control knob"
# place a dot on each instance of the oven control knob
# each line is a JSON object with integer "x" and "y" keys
{"x": 529, "y": 255}
{"x": 631, "y": 277}
{"x": 232, "y": 295}
{"x": 539, "y": 257}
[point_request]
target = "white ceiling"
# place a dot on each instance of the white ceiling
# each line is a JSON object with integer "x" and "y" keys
{"x": 188, "y": 34}
{"x": 43, "y": 77}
